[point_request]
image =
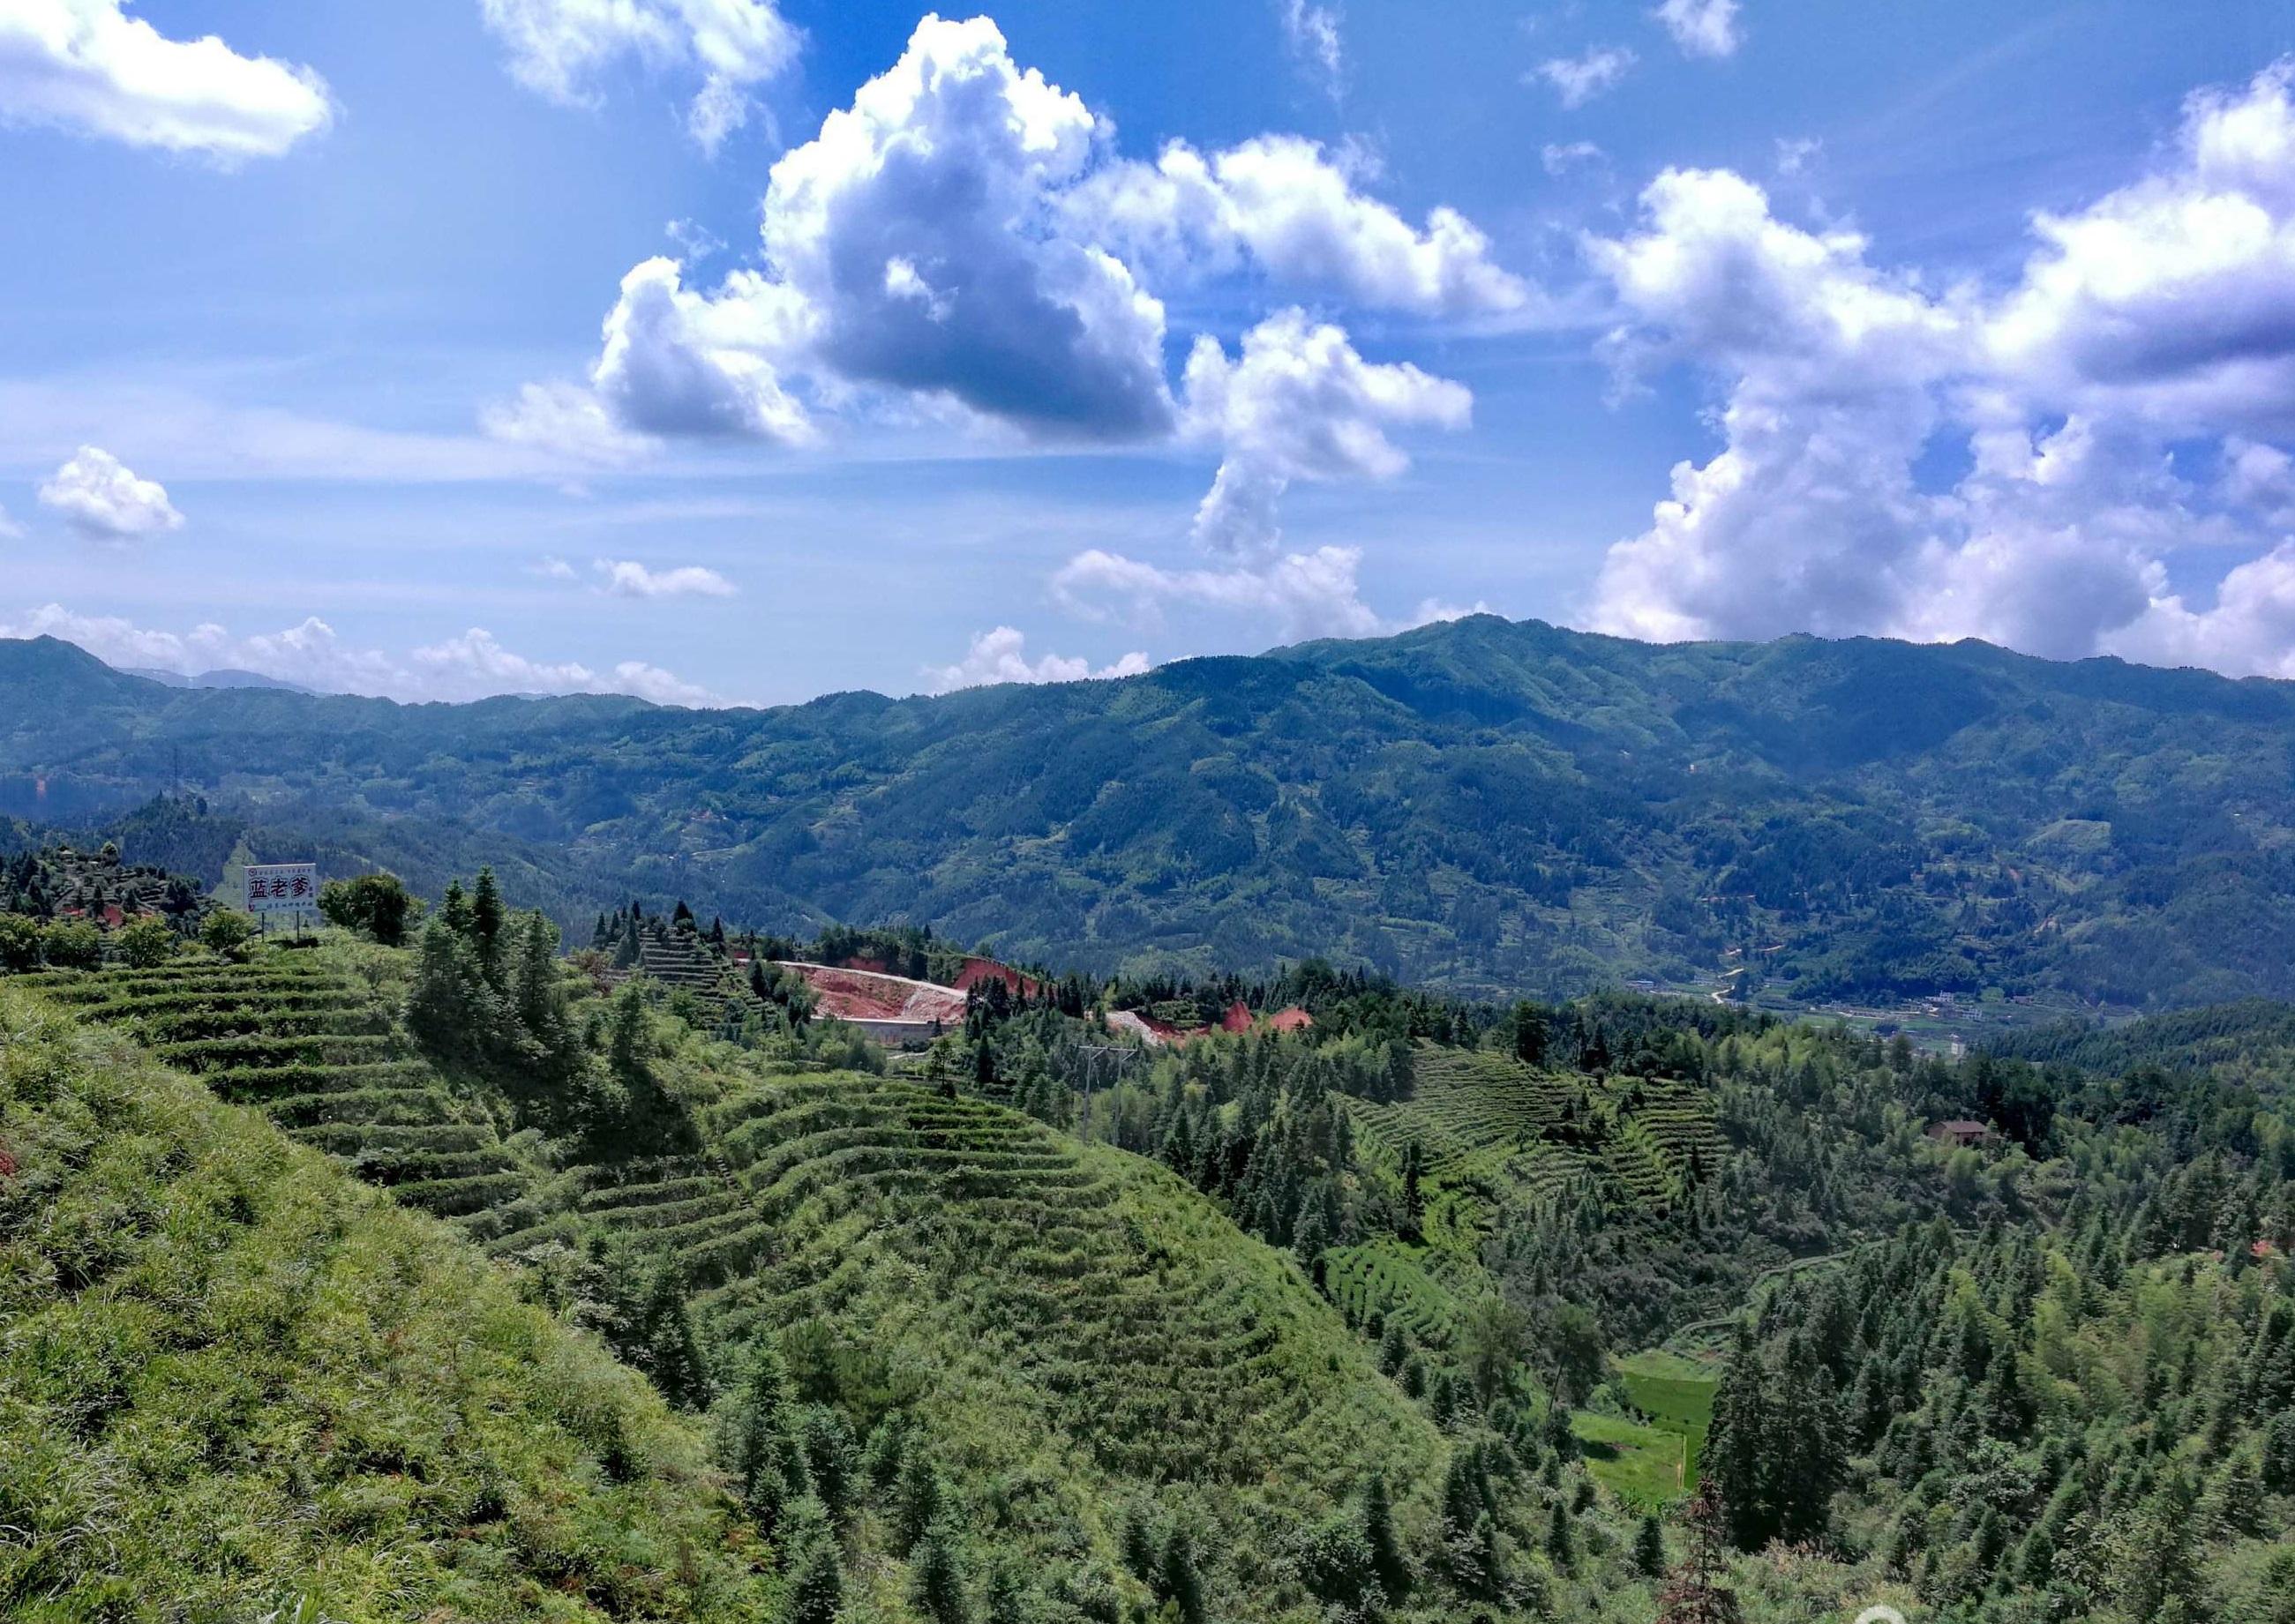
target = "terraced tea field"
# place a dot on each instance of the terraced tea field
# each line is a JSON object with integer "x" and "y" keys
{"x": 1494, "y": 1135}
{"x": 1093, "y": 1293}
{"x": 318, "y": 1051}
{"x": 1489, "y": 1124}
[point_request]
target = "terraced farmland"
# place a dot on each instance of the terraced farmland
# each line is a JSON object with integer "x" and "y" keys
{"x": 1494, "y": 1135}
{"x": 1099, "y": 1308}
{"x": 1489, "y": 1123}
{"x": 1399, "y": 1284}
{"x": 318, "y": 1051}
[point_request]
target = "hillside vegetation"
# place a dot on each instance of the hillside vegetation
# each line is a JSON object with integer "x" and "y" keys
{"x": 1046, "y": 1372}
{"x": 1402, "y": 1309}
{"x": 1487, "y": 806}
{"x": 234, "y": 1384}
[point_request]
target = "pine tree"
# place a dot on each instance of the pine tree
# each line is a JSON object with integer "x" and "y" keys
{"x": 1180, "y": 1580}
{"x": 1387, "y": 1562}
{"x": 936, "y": 1577}
{"x": 2158, "y": 1555}
{"x": 629, "y": 1029}
{"x": 919, "y": 1498}
{"x": 2279, "y": 1452}
{"x": 827, "y": 1448}
{"x": 757, "y": 1448}
{"x": 1561, "y": 1538}
{"x": 1393, "y": 1348}
{"x": 1733, "y": 1461}
{"x": 487, "y": 919}
{"x": 668, "y": 1346}
{"x": 537, "y": 994}
{"x": 816, "y": 1574}
{"x": 450, "y": 1009}
{"x": 1649, "y": 1547}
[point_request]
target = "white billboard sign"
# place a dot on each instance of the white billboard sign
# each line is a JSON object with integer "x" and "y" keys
{"x": 283, "y": 887}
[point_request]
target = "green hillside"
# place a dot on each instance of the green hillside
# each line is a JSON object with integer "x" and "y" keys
{"x": 1407, "y": 1309}
{"x": 1073, "y": 1351}
{"x": 1487, "y": 806}
{"x": 234, "y": 1384}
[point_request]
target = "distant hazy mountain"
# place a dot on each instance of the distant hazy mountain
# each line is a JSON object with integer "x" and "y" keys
{"x": 1492, "y": 806}
{"x": 225, "y": 678}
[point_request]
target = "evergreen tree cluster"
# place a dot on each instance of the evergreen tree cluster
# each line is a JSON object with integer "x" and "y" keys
{"x": 490, "y": 992}
{"x": 2094, "y": 1416}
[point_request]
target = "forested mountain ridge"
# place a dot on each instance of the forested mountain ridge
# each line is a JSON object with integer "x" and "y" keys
{"x": 1480, "y": 804}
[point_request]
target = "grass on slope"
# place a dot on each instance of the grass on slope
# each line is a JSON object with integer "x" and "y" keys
{"x": 233, "y": 1381}
{"x": 1655, "y": 1458}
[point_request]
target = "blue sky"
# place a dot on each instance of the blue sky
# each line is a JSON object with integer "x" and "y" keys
{"x": 301, "y": 363}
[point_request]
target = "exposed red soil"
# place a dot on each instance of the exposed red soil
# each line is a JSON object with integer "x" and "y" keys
{"x": 871, "y": 995}
{"x": 977, "y": 971}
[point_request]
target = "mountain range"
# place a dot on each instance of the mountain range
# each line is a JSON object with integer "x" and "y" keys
{"x": 1489, "y": 806}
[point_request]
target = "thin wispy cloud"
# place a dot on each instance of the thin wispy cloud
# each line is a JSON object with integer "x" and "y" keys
{"x": 1576, "y": 80}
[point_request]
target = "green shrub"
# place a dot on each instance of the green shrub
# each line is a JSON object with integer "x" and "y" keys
{"x": 379, "y": 904}
{"x": 73, "y": 944}
{"x": 20, "y": 943}
{"x": 227, "y": 933}
{"x": 146, "y": 944}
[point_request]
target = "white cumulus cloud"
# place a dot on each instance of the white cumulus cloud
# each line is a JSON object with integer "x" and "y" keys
{"x": 1001, "y": 656}
{"x": 562, "y": 48}
{"x": 963, "y": 243}
{"x": 1288, "y": 597}
{"x": 2160, "y": 318}
{"x": 104, "y": 501}
{"x": 84, "y": 65}
{"x": 564, "y": 420}
{"x": 1285, "y": 206}
{"x": 1701, "y": 28}
{"x": 1300, "y": 404}
{"x": 2173, "y": 297}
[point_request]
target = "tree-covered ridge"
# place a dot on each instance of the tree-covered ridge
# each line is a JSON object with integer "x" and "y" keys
{"x": 2250, "y": 1042}
{"x": 2095, "y": 1421}
{"x": 1491, "y": 806}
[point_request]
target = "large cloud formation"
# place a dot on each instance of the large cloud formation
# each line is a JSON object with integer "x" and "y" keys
{"x": 84, "y": 65}
{"x": 1298, "y": 404}
{"x": 2160, "y": 316}
{"x": 561, "y": 48}
{"x": 963, "y": 244}
{"x": 105, "y": 500}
